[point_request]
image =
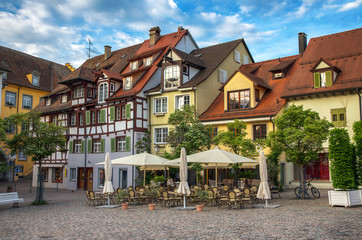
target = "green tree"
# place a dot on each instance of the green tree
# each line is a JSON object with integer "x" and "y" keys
{"x": 342, "y": 157}
{"x": 36, "y": 139}
{"x": 188, "y": 132}
{"x": 235, "y": 139}
{"x": 357, "y": 137}
{"x": 300, "y": 133}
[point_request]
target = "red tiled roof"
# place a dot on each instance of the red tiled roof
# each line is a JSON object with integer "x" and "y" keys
{"x": 269, "y": 105}
{"x": 165, "y": 42}
{"x": 81, "y": 73}
{"x": 341, "y": 50}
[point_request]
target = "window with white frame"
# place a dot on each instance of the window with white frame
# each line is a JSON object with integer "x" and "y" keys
{"x": 172, "y": 76}
{"x": 64, "y": 98}
{"x": 123, "y": 112}
{"x": 22, "y": 156}
{"x": 10, "y": 98}
{"x": 118, "y": 113}
{"x": 237, "y": 56}
{"x": 134, "y": 65}
{"x": 180, "y": 101}
{"x": 79, "y": 92}
{"x": 72, "y": 174}
{"x": 48, "y": 102}
{"x": 223, "y": 75}
{"x": 93, "y": 117}
{"x": 127, "y": 83}
{"x": 160, "y": 105}
{"x": 147, "y": 61}
{"x": 102, "y": 92}
{"x": 73, "y": 119}
{"x": 121, "y": 144}
{"x": 161, "y": 135}
{"x": 35, "y": 80}
{"x": 96, "y": 145}
{"x": 80, "y": 119}
{"x": 77, "y": 146}
{"x": 245, "y": 59}
{"x": 27, "y": 101}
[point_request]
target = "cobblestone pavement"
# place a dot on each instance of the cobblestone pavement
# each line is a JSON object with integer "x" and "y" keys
{"x": 67, "y": 217}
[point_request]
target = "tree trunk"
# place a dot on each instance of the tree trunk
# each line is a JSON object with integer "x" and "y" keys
{"x": 302, "y": 184}
{"x": 39, "y": 189}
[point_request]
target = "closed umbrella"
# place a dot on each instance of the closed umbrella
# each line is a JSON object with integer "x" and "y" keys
{"x": 108, "y": 187}
{"x": 264, "y": 190}
{"x": 184, "y": 186}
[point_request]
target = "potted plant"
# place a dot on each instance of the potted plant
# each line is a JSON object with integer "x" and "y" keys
{"x": 152, "y": 195}
{"x": 343, "y": 162}
{"x": 122, "y": 197}
{"x": 159, "y": 180}
{"x": 203, "y": 198}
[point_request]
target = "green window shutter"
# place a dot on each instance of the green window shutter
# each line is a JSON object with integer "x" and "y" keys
{"x": 70, "y": 146}
{"x": 329, "y": 78}
{"x": 87, "y": 117}
{"x": 128, "y": 111}
{"x": 89, "y": 146}
{"x": 103, "y": 115}
{"x": 112, "y": 114}
{"x": 317, "y": 80}
{"x": 342, "y": 117}
{"x": 82, "y": 147}
{"x": 128, "y": 144}
{"x": 113, "y": 144}
{"x": 102, "y": 145}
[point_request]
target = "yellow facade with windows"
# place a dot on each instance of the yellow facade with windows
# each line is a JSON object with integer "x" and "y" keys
{"x": 22, "y": 105}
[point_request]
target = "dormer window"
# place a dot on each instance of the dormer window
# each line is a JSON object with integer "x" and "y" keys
{"x": 35, "y": 80}
{"x": 134, "y": 65}
{"x": 172, "y": 76}
{"x": 64, "y": 98}
{"x": 322, "y": 79}
{"x": 277, "y": 75}
{"x": 48, "y": 102}
{"x": 102, "y": 92}
{"x": 147, "y": 61}
{"x": 79, "y": 92}
{"x": 112, "y": 87}
{"x": 238, "y": 100}
{"x": 127, "y": 83}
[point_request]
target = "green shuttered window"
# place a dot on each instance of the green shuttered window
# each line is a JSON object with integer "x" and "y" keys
{"x": 82, "y": 148}
{"x": 323, "y": 79}
{"x": 128, "y": 111}
{"x": 87, "y": 117}
{"x": 113, "y": 144}
{"x": 103, "y": 116}
{"x": 102, "y": 145}
{"x": 128, "y": 144}
{"x": 112, "y": 114}
{"x": 89, "y": 146}
{"x": 338, "y": 117}
{"x": 71, "y": 147}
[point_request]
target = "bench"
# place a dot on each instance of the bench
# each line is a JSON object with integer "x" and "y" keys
{"x": 10, "y": 198}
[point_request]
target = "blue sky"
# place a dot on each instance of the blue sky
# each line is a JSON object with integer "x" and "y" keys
{"x": 58, "y": 30}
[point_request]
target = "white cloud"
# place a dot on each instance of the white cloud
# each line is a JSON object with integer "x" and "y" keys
{"x": 123, "y": 39}
{"x": 245, "y": 9}
{"x": 302, "y": 9}
{"x": 350, "y": 6}
{"x": 172, "y": 4}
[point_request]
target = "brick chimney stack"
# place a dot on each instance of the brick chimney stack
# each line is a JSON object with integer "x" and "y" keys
{"x": 107, "y": 52}
{"x": 154, "y": 35}
{"x": 302, "y": 42}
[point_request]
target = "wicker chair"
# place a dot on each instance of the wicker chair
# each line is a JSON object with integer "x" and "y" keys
{"x": 234, "y": 200}
{"x": 223, "y": 199}
{"x": 94, "y": 199}
{"x": 248, "y": 197}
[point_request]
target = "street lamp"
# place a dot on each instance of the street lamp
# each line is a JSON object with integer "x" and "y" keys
{"x": 157, "y": 149}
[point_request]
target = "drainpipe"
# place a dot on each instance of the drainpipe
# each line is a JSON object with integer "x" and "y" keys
{"x": 271, "y": 119}
{"x": 134, "y": 124}
{"x": 360, "y": 107}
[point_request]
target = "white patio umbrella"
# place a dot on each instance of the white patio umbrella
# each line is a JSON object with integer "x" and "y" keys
{"x": 264, "y": 190}
{"x": 108, "y": 187}
{"x": 146, "y": 161}
{"x": 184, "y": 186}
{"x": 219, "y": 158}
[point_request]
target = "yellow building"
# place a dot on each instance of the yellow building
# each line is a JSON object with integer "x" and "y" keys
{"x": 190, "y": 79}
{"x": 25, "y": 80}
{"x": 328, "y": 81}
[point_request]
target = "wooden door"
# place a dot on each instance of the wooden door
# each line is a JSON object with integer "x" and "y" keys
{"x": 88, "y": 176}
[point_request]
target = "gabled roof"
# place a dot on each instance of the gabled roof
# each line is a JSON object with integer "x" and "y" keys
{"x": 212, "y": 57}
{"x": 19, "y": 64}
{"x": 269, "y": 105}
{"x": 257, "y": 81}
{"x": 281, "y": 65}
{"x": 164, "y": 42}
{"x": 342, "y": 51}
{"x": 192, "y": 60}
{"x": 81, "y": 73}
{"x": 326, "y": 62}
{"x": 57, "y": 106}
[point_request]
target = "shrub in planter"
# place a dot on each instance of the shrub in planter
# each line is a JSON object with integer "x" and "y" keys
{"x": 123, "y": 196}
{"x": 343, "y": 163}
{"x": 357, "y": 137}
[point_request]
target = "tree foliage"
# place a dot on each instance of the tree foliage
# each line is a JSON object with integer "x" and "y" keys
{"x": 357, "y": 137}
{"x": 342, "y": 160}
{"x": 300, "y": 133}
{"x": 235, "y": 139}
{"x": 144, "y": 145}
{"x": 188, "y": 132}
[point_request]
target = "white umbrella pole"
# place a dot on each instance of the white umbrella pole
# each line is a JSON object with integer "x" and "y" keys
{"x": 108, "y": 200}
{"x": 216, "y": 175}
{"x": 144, "y": 177}
{"x": 184, "y": 200}
{"x": 266, "y": 202}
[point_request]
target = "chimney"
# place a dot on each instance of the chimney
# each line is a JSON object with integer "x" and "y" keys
{"x": 154, "y": 35}
{"x": 302, "y": 41}
{"x": 107, "y": 52}
{"x": 179, "y": 29}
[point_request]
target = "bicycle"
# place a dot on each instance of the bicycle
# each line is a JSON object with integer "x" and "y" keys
{"x": 313, "y": 190}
